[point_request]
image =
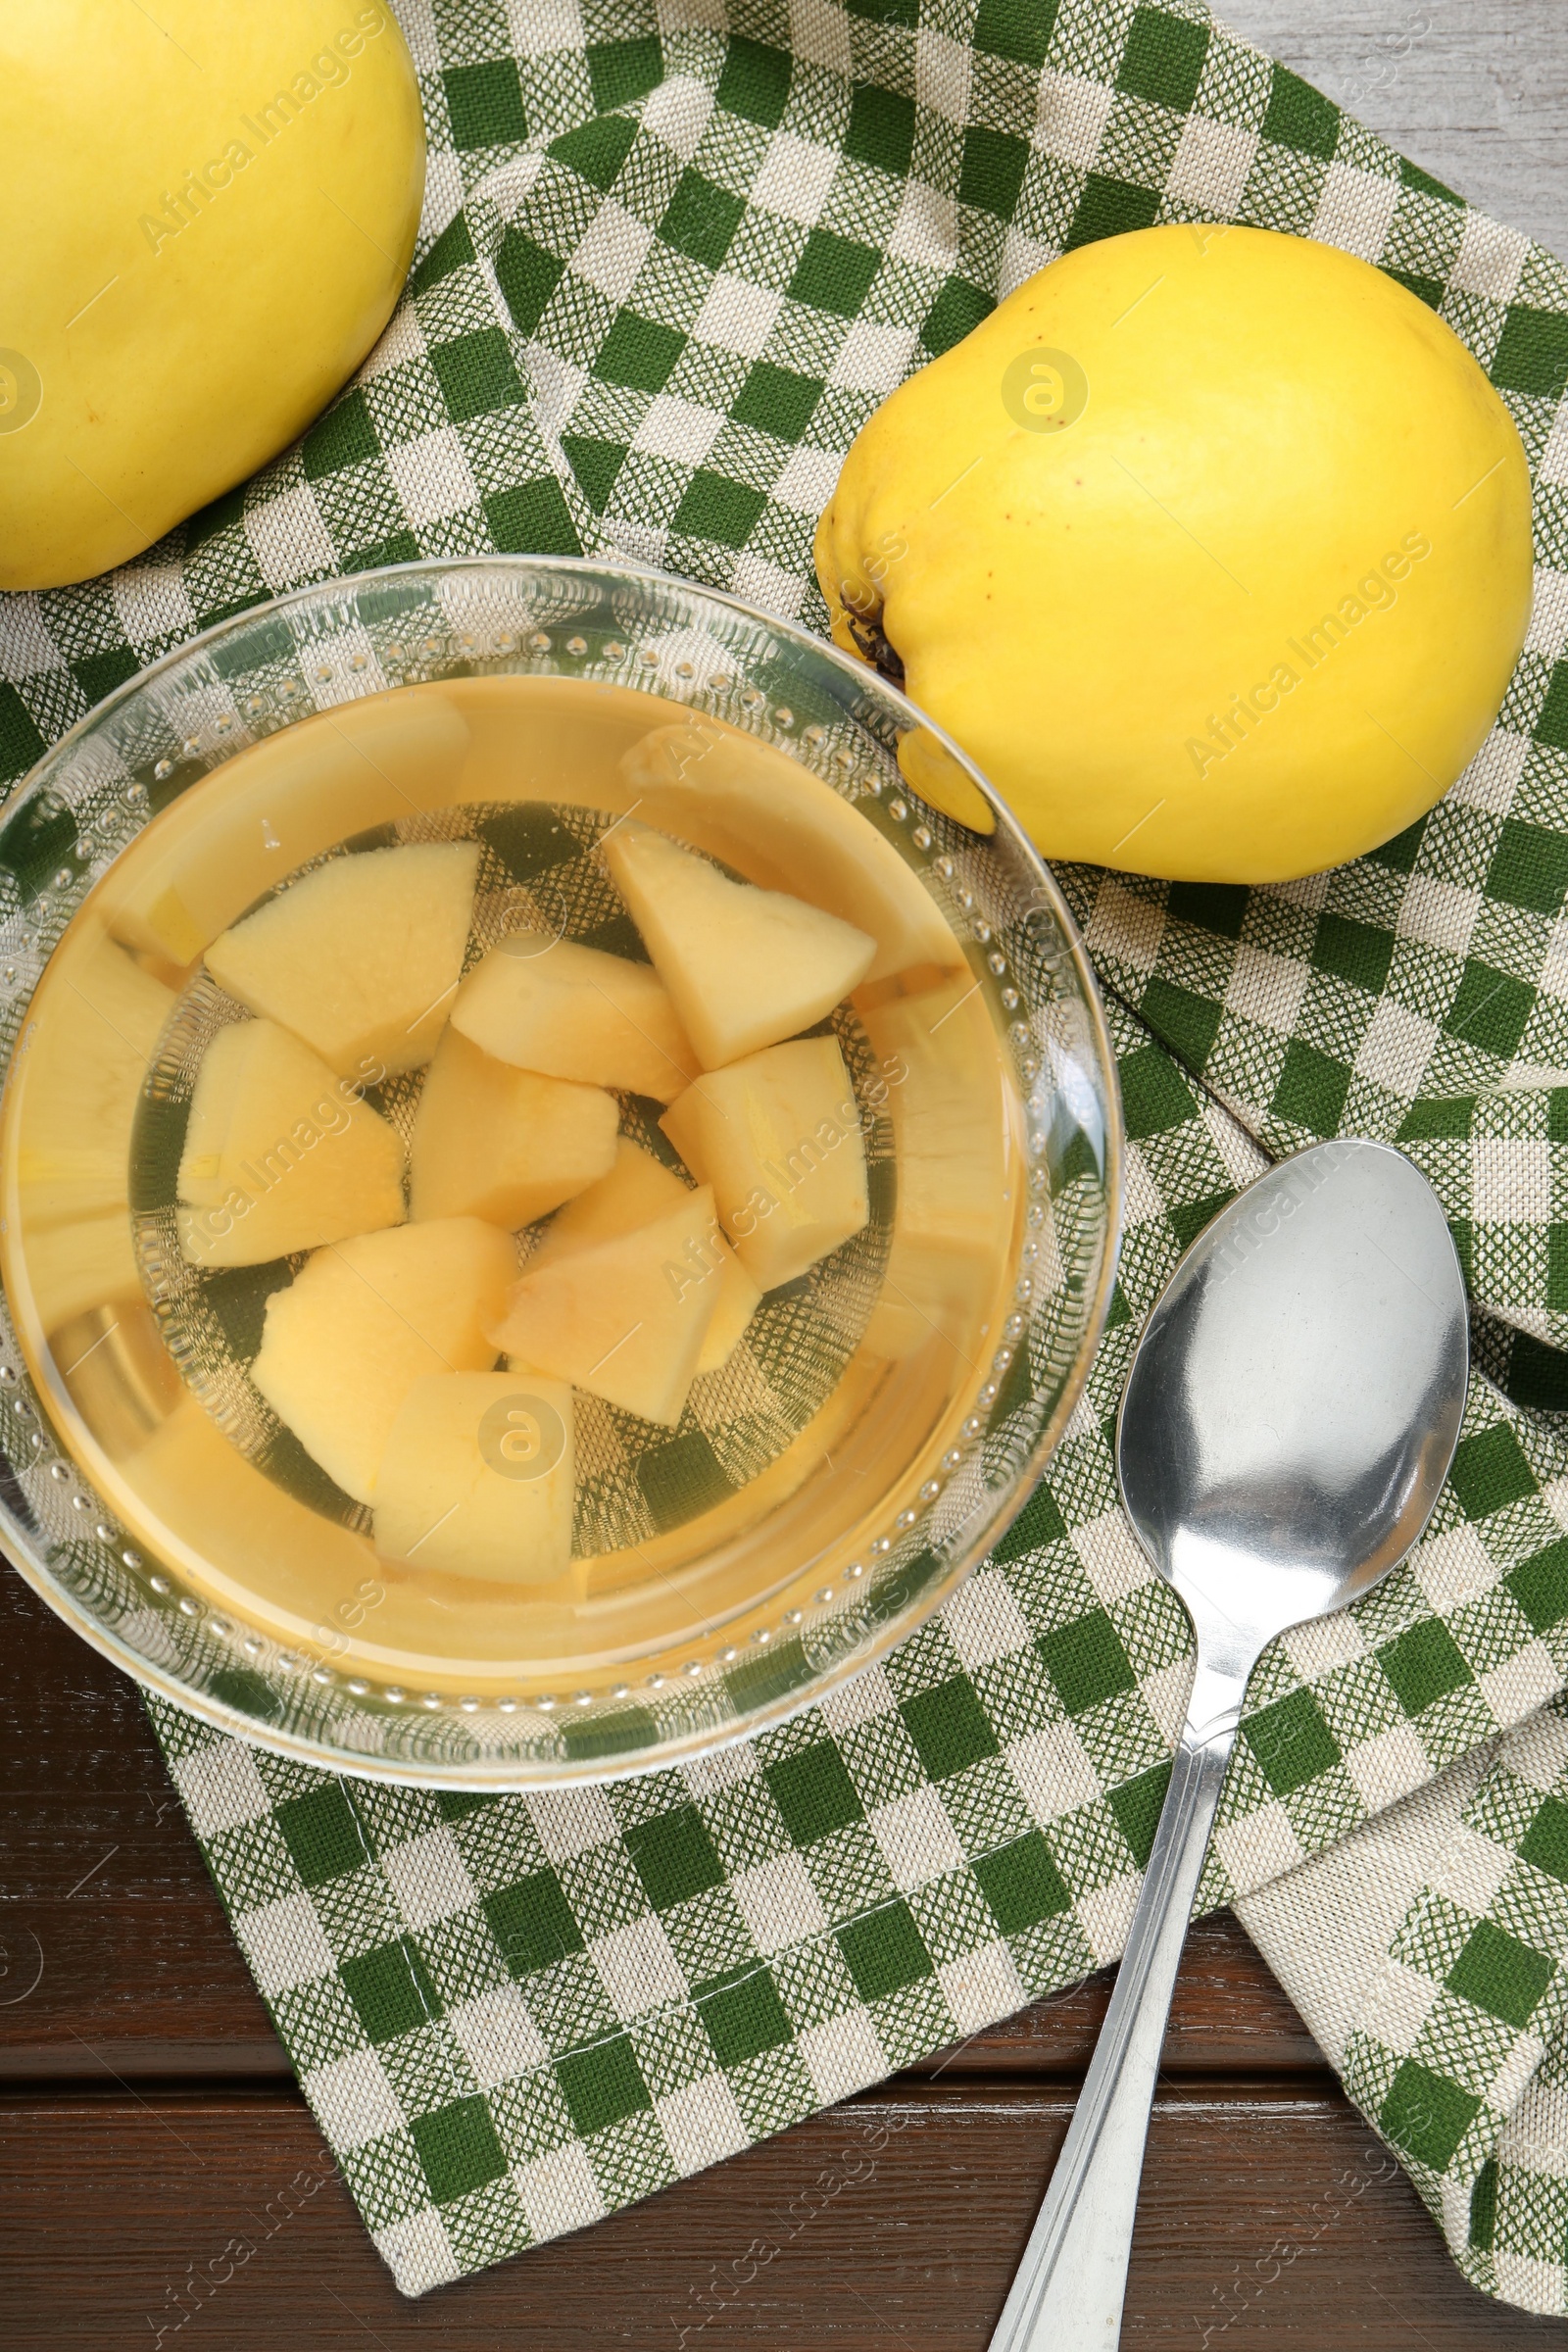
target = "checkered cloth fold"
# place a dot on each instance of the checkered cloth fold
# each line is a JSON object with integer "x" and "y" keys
{"x": 673, "y": 257}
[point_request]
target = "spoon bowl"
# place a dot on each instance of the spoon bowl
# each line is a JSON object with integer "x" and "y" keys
{"x": 1290, "y": 1418}
{"x": 1296, "y": 1398}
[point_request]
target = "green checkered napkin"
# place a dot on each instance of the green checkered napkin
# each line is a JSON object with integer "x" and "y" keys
{"x": 672, "y": 259}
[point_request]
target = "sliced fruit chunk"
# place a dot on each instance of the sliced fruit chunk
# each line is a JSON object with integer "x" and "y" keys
{"x": 954, "y": 1107}
{"x": 737, "y": 1302}
{"x": 363, "y": 1320}
{"x": 625, "y": 1318}
{"x": 503, "y": 1144}
{"x": 575, "y": 1013}
{"x": 280, "y": 1153}
{"x": 948, "y": 1097}
{"x": 80, "y": 1071}
{"x": 637, "y": 1190}
{"x": 75, "y": 1266}
{"x": 764, "y": 814}
{"x": 360, "y": 957}
{"x": 283, "y": 801}
{"x": 778, "y": 1138}
{"x": 478, "y": 1478}
{"x": 744, "y": 968}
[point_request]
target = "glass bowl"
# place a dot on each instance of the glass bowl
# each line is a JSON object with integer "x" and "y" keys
{"x": 888, "y": 1412}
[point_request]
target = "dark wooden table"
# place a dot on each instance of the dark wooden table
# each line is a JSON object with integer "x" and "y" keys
{"x": 149, "y": 2126}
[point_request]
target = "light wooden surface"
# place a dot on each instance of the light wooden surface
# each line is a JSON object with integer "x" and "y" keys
{"x": 1476, "y": 91}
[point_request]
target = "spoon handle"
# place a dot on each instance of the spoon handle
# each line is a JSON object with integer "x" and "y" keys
{"x": 1067, "y": 2294}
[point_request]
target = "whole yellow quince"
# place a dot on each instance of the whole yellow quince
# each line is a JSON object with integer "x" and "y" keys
{"x": 1211, "y": 547}
{"x": 213, "y": 206}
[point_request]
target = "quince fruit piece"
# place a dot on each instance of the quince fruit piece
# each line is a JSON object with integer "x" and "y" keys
{"x": 625, "y": 1318}
{"x": 745, "y": 967}
{"x": 771, "y": 819}
{"x": 362, "y": 957}
{"x": 502, "y": 1143}
{"x": 638, "y": 1190}
{"x": 280, "y": 1153}
{"x": 80, "y": 1071}
{"x": 1210, "y": 547}
{"x": 478, "y": 1478}
{"x": 221, "y": 202}
{"x": 572, "y": 1011}
{"x": 363, "y": 1320}
{"x": 778, "y": 1138}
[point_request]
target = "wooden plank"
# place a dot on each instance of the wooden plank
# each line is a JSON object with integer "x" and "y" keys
{"x": 115, "y": 1948}
{"x": 119, "y": 1961}
{"x": 1229, "y": 2016}
{"x": 1269, "y": 2219}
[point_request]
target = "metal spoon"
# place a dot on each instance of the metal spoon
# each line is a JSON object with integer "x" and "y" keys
{"x": 1292, "y": 1413}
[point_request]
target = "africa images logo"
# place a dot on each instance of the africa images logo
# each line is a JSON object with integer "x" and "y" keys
{"x": 523, "y": 1437}
{"x": 1045, "y": 391}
